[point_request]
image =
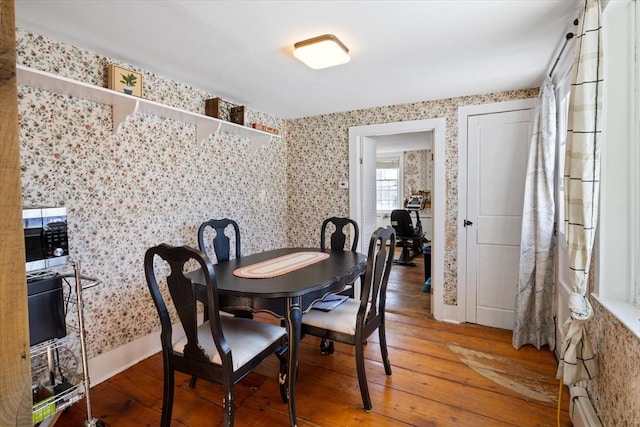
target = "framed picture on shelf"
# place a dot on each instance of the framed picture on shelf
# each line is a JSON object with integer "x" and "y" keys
{"x": 213, "y": 107}
{"x": 124, "y": 81}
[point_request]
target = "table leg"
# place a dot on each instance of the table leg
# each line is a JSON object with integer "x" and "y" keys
{"x": 293, "y": 322}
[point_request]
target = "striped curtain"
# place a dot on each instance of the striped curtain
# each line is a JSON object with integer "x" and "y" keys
{"x": 581, "y": 181}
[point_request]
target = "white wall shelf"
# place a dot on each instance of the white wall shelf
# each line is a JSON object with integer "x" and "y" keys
{"x": 124, "y": 106}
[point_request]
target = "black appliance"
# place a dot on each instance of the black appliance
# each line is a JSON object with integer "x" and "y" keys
{"x": 45, "y": 237}
{"x": 46, "y": 309}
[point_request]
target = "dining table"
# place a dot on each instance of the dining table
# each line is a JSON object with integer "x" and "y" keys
{"x": 285, "y": 283}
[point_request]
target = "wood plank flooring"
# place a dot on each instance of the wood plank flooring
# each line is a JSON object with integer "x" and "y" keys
{"x": 443, "y": 375}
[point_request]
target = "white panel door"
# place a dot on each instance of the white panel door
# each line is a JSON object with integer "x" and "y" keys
{"x": 497, "y": 149}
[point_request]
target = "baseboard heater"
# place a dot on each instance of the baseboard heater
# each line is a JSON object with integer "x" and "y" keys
{"x": 581, "y": 409}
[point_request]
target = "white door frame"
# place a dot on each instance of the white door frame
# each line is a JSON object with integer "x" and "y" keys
{"x": 463, "y": 115}
{"x": 438, "y": 196}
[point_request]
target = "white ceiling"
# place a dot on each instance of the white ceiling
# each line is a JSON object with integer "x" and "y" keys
{"x": 401, "y": 51}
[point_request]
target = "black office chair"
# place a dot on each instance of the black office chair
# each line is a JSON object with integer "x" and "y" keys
{"x": 223, "y": 349}
{"x": 410, "y": 237}
{"x": 353, "y": 321}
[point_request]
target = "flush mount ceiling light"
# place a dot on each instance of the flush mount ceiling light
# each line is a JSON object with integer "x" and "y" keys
{"x": 321, "y": 52}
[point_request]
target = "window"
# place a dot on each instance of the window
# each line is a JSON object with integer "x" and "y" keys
{"x": 562, "y": 92}
{"x": 388, "y": 184}
{"x": 562, "y": 113}
{"x": 634, "y": 161}
{"x": 618, "y": 239}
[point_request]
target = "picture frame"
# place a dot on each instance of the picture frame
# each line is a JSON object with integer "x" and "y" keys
{"x": 124, "y": 81}
{"x": 238, "y": 115}
{"x": 213, "y": 107}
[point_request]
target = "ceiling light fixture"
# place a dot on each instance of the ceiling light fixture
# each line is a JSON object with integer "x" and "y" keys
{"x": 321, "y": 52}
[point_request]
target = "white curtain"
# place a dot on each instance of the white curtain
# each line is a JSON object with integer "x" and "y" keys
{"x": 581, "y": 181}
{"x": 534, "y": 299}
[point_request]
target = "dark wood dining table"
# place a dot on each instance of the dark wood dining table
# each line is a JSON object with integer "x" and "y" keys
{"x": 287, "y": 296}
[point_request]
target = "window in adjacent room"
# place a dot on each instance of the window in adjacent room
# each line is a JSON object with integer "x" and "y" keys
{"x": 388, "y": 183}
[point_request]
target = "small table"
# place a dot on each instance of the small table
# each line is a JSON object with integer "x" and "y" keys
{"x": 286, "y": 296}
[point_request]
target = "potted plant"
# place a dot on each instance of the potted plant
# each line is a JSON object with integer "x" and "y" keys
{"x": 129, "y": 81}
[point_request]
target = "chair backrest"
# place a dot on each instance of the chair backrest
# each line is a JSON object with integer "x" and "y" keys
{"x": 376, "y": 277}
{"x": 221, "y": 242}
{"x": 401, "y": 222}
{"x": 183, "y": 297}
{"x": 338, "y": 238}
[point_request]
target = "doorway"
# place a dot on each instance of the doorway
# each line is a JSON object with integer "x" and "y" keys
{"x": 404, "y": 164}
{"x": 362, "y": 189}
{"x": 403, "y": 169}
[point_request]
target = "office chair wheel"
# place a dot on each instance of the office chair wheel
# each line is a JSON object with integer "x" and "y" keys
{"x": 326, "y": 347}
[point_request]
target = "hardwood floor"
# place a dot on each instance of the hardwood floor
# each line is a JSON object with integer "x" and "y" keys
{"x": 443, "y": 375}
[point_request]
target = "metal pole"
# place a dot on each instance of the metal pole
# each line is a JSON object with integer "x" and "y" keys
{"x": 90, "y": 422}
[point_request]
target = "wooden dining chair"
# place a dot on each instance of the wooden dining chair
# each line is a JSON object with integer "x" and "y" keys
{"x": 221, "y": 243}
{"x": 353, "y": 321}
{"x": 338, "y": 239}
{"x": 221, "y": 246}
{"x": 223, "y": 349}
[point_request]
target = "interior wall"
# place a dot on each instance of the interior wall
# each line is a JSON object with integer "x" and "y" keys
{"x": 148, "y": 183}
{"x": 615, "y": 392}
{"x": 418, "y": 176}
{"x": 418, "y": 171}
{"x": 319, "y": 157}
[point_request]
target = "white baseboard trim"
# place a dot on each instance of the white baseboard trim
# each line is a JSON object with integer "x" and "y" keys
{"x": 113, "y": 362}
{"x": 451, "y": 314}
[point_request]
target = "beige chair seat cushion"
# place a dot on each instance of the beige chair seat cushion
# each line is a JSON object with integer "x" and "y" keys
{"x": 340, "y": 319}
{"x": 246, "y": 338}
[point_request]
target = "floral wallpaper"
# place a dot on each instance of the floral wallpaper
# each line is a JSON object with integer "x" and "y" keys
{"x": 319, "y": 157}
{"x": 417, "y": 171}
{"x": 152, "y": 182}
{"x": 149, "y": 182}
{"x": 615, "y": 392}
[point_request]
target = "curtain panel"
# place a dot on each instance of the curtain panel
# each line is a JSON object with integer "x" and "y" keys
{"x": 533, "y": 322}
{"x": 582, "y": 185}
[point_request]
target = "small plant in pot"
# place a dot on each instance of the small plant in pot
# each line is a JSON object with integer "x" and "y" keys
{"x": 129, "y": 81}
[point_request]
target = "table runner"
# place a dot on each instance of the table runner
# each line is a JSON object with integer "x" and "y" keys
{"x": 280, "y": 265}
